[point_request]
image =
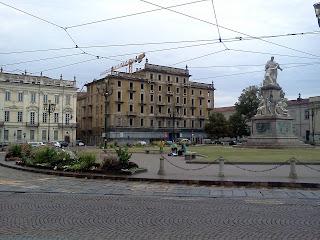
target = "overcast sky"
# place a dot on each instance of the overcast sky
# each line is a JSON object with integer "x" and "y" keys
{"x": 301, "y": 63}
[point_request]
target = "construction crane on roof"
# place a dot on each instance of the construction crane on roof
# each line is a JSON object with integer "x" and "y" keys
{"x": 129, "y": 63}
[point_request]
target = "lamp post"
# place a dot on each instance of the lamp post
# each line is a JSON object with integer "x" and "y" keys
{"x": 106, "y": 93}
{"x": 317, "y": 11}
{"x": 49, "y": 108}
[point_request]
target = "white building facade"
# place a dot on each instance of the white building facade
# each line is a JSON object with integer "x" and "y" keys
{"x": 24, "y": 109}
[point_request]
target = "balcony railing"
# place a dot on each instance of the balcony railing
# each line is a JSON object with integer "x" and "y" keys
{"x": 131, "y": 113}
{"x": 32, "y": 124}
{"x": 67, "y": 125}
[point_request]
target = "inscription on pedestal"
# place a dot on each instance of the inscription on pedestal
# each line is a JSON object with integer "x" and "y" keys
{"x": 284, "y": 128}
{"x": 263, "y": 128}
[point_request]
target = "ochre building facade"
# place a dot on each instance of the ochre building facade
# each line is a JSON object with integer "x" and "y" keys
{"x": 153, "y": 103}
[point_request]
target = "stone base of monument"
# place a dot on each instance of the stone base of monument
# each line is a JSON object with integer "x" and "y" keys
{"x": 273, "y": 132}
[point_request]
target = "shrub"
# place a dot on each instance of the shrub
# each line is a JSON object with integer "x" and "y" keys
{"x": 26, "y": 150}
{"x": 84, "y": 163}
{"x": 123, "y": 156}
{"x": 109, "y": 162}
{"x": 14, "y": 151}
{"x": 45, "y": 155}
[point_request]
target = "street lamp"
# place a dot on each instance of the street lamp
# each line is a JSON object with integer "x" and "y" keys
{"x": 106, "y": 93}
{"x": 317, "y": 11}
{"x": 49, "y": 108}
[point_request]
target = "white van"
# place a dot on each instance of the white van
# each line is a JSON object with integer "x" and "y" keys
{"x": 36, "y": 144}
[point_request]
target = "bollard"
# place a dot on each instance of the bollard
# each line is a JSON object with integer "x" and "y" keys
{"x": 293, "y": 172}
{"x": 221, "y": 167}
{"x": 161, "y": 168}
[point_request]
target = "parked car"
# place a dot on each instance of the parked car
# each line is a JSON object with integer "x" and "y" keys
{"x": 184, "y": 141}
{"x": 80, "y": 143}
{"x": 63, "y": 144}
{"x": 36, "y": 144}
{"x": 218, "y": 142}
{"x": 142, "y": 143}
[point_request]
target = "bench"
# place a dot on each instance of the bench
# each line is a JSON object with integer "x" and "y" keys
{"x": 190, "y": 155}
{"x": 152, "y": 151}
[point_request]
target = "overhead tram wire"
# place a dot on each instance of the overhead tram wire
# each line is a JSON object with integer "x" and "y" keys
{"x": 229, "y": 29}
{"x": 233, "y": 39}
{"x": 242, "y": 73}
{"x": 41, "y": 59}
{"x": 132, "y": 14}
{"x": 215, "y": 16}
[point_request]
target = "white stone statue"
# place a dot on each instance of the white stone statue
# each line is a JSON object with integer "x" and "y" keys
{"x": 262, "y": 108}
{"x": 271, "y": 68}
{"x": 281, "y": 108}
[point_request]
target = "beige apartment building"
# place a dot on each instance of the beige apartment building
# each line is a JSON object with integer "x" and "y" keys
{"x": 156, "y": 102}
{"x": 36, "y": 109}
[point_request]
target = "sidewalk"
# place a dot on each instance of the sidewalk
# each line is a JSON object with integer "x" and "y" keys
{"x": 177, "y": 171}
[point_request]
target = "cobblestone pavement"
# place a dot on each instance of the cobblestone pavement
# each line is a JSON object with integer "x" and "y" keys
{"x": 79, "y": 216}
{"x": 37, "y": 206}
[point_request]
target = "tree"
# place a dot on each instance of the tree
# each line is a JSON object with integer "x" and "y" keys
{"x": 238, "y": 126}
{"x": 217, "y": 126}
{"x": 248, "y": 102}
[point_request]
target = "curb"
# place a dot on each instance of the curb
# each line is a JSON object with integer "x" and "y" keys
{"x": 248, "y": 163}
{"x": 226, "y": 183}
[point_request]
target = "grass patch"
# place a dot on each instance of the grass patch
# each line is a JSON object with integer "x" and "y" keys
{"x": 257, "y": 155}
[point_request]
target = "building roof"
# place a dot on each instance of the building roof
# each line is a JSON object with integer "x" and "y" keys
{"x": 164, "y": 69}
{"x": 225, "y": 109}
{"x": 298, "y": 101}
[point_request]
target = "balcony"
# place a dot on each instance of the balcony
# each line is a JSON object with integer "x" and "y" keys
{"x": 131, "y": 90}
{"x": 119, "y": 101}
{"x": 160, "y": 103}
{"x": 169, "y": 93}
{"x": 29, "y": 124}
{"x": 142, "y": 103}
{"x": 1, "y": 123}
{"x": 201, "y": 96}
{"x": 169, "y": 82}
{"x": 67, "y": 125}
{"x": 132, "y": 114}
{"x": 202, "y": 117}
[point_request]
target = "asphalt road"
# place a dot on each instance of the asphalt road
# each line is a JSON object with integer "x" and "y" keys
{"x": 36, "y": 206}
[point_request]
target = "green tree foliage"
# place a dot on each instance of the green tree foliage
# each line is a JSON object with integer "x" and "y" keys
{"x": 238, "y": 126}
{"x": 217, "y": 126}
{"x": 123, "y": 156}
{"x": 248, "y": 102}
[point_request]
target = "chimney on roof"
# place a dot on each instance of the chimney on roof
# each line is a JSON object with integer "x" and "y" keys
{"x": 61, "y": 77}
{"x": 41, "y": 74}
{"x": 299, "y": 98}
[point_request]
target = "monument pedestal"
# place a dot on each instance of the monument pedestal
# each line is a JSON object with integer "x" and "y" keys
{"x": 273, "y": 132}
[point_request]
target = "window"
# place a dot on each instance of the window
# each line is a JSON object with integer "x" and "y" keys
{"x": 159, "y": 109}
{"x": 45, "y": 98}
{"x": 142, "y": 86}
{"x": 192, "y": 92}
{"x": 159, "y": 77}
{"x": 6, "y": 116}
{"x": 141, "y": 109}
{"x": 32, "y": 117}
{"x": 168, "y": 78}
{"x": 177, "y": 79}
{"x": 178, "y": 90}
{"x": 67, "y": 118}
{"x": 200, "y": 92}
{"x": 151, "y": 122}
{"x": 200, "y": 112}
{"x": 208, "y": 94}
{"x": 131, "y": 96}
{"x": 56, "y": 117}
{"x": 44, "y": 135}
{"x": 6, "y": 135}
{"x": 119, "y": 83}
{"x": 141, "y": 97}
{"x": 31, "y": 135}
{"x": 192, "y": 112}
{"x": 131, "y": 85}
{"x": 151, "y": 109}
{"x": 119, "y": 96}
{"x": 159, "y": 88}
{"x": 19, "y": 135}
{"x": 151, "y": 87}
{"x": 131, "y": 122}
{"x": 68, "y": 97}
{"x": 151, "y": 98}
{"x": 8, "y": 96}
{"x": 20, "y": 97}
{"x": 56, "y": 99}
{"x": 200, "y": 123}
{"x": 184, "y": 123}
{"x": 306, "y": 114}
{"x": 200, "y": 102}
{"x": 119, "y": 107}
{"x": 178, "y": 123}
{"x": 159, "y": 97}
{"x": 169, "y": 99}
{"x": 169, "y": 88}
{"x": 184, "y": 80}
{"x": 19, "y": 116}
{"x": 131, "y": 107}
{"x": 192, "y": 123}
{"x": 44, "y": 117}
{"x": 151, "y": 76}
{"x": 184, "y": 100}
{"x": 184, "y": 91}
{"x": 55, "y": 135}
{"x": 192, "y": 102}
{"x": 169, "y": 110}
{"x": 159, "y": 123}
{"x": 184, "y": 112}
{"x": 141, "y": 122}
{"x": 33, "y": 97}
{"x": 178, "y": 100}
